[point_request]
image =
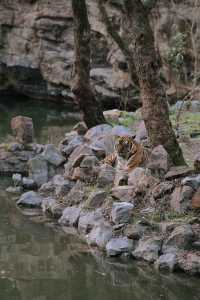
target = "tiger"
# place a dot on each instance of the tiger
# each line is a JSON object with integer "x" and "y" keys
{"x": 128, "y": 154}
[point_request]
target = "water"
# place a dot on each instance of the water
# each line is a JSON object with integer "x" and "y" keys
{"x": 38, "y": 262}
{"x": 51, "y": 121}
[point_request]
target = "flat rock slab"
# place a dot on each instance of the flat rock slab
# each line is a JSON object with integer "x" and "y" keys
{"x": 117, "y": 246}
{"x": 30, "y": 199}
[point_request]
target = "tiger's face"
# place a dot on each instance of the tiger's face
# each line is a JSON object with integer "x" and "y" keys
{"x": 126, "y": 146}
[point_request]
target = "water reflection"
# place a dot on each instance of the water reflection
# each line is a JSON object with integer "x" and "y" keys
{"x": 51, "y": 121}
{"x": 38, "y": 263}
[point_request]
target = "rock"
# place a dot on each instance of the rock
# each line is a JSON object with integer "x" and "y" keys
{"x": 28, "y": 183}
{"x": 17, "y": 179}
{"x": 162, "y": 189}
{"x": 79, "y": 154}
{"x": 70, "y": 216}
{"x": 148, "y": 249}
{"x": 135, "y": 231}
{"x": 120, "y": 130}
{"x": 141, "y": 180}
{"x": 121, "y": 212}
{"x": 193, "y": 181}
{"x": 80, "y": 128}
{"x": 141, "y": 132}
{"x": 103, "y": 145}
{"x": 197, "y": 163}
{"x": 123, "y": 193}
{"x": 181, "y": 198}
{"x": 121, "y": 178}
{"x": 100, "y": 235}
{"x": 89, "y": 162}
{"x": 112, "y": 115}
{"x": 159, "y": 161}
{"x": 189, "y": 263}
{"x": 14, "y": 190}
{"x": 177, "y": 172}
{"x": 168, "y": 227}
{"x": 117, "y": 246}
{"x": 47, "y": 188}
{"x": 195, "y": 203}
{"x": 93, "y": 133}
{"x": 30, "y": 199}
{"x": 22, "y": 128}
{"x": 38, "y": 170}
{"x": 88, "y": 220}
{"x": 50, "y": 205}
{"x": 66, "y": 150}
{"x": 62, "y": 185}
{"x": 167, "y": 262}
{"x": 77, "y": 195}
{"x": 106, "y": 175}
{"x": 180, "y": 238}
{"x": 52, "y": 155}
{"x": 96, "y": 198}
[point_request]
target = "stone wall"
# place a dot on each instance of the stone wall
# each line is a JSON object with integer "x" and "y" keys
{"x": 36, "y": 49}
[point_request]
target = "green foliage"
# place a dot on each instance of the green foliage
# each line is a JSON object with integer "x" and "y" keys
{"x": 177, "y": 52}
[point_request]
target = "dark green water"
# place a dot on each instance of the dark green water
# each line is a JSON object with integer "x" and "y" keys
{"x": 41, "y": 263}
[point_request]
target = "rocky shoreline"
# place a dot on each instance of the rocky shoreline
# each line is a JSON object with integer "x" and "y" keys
{"x": 152, "y": 215}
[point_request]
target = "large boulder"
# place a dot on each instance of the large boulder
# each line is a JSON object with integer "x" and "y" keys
{"x": 67, "y": 148}
{"x": 192, "y": 181}
{"x": 159, "y": 161}
{"x": 106, "y": 176}
{"x": 118, "y": 246}
{"x": 121, "y": 212}
{"x": 51, "y": 206}
{"x": 70, "y": 216}
{"x": 100, "y": 235}
{"x": 89, "y": 219}
{"x": 79, "y": 154}
{"x": 189, "y": 263}
{"x": 123, "y": 193}
{"x": 103, "y": 145}
{"x": 96, "y": 198}
{"x": 99, "y": 130}
{"x": 180, "y": 238}
{"x": 148, "y": 249}
{"x": 30, "y": 199}
{"x": 52, "y": 155}
{"x": 38, "y": 170}
{"x": 167, "y": 262}
{"x": 141, "y": 180}
{"x": 22, "y": 128}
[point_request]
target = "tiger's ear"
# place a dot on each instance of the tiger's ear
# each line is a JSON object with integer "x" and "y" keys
{"x": 133, "y": 137}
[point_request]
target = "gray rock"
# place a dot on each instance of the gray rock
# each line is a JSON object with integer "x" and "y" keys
{"x": 31, "y": 199}
{"x": 106, "y": 176}
{"x": 100, "y": 235}
{"x": 117, "y": 246}
{"x": 121, "y": 212}
{"x": 167, "y": 262}
{"x": 97, "y": 131}
{"x": 141, "y": 132}
{"x": 52, "y": 155}
{"x": 28, "y": 183}
{"x": 79, "y": 154}
{"x": 17, "y": 179}
{"x": 89, "y": 162}
{"x": 189, "y": 263}
{"x": 16, "y": 190}
{"x": 66, "y": 150}
{"x": 148, "y": 249}
{"x": 120, "y": 130}
{"x": 123, "y": 193}
{"x": 180, "y": 238}
{"x": 135, "y": 231}
{"x": 50, "y": 205}
{"x": 103, "y": 145}
{"x": 159, "y": 161}
{"x": 38, "y": 170}
{"x": 96, "y": 198}
{"x": 88, "y": 220}
{"x": 192, "y": 181}
{"x": 70, "y": 216}
{"x": 47, "y": 188}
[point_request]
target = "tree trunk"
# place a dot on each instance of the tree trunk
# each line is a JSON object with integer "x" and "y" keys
{"x": 140, "y": 40}
{"x": 85, "y": 96}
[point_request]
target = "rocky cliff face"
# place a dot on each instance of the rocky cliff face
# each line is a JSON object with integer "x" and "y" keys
{"x": 36, "y": 49}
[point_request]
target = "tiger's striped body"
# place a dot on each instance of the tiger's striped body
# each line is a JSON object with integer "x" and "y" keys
{"x": 128, "y": 154}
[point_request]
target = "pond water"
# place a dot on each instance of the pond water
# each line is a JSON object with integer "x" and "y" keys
{"x": 38, "y": 262}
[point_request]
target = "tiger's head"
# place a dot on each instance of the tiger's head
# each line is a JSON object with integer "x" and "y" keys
{"x": 126, "y": 146}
